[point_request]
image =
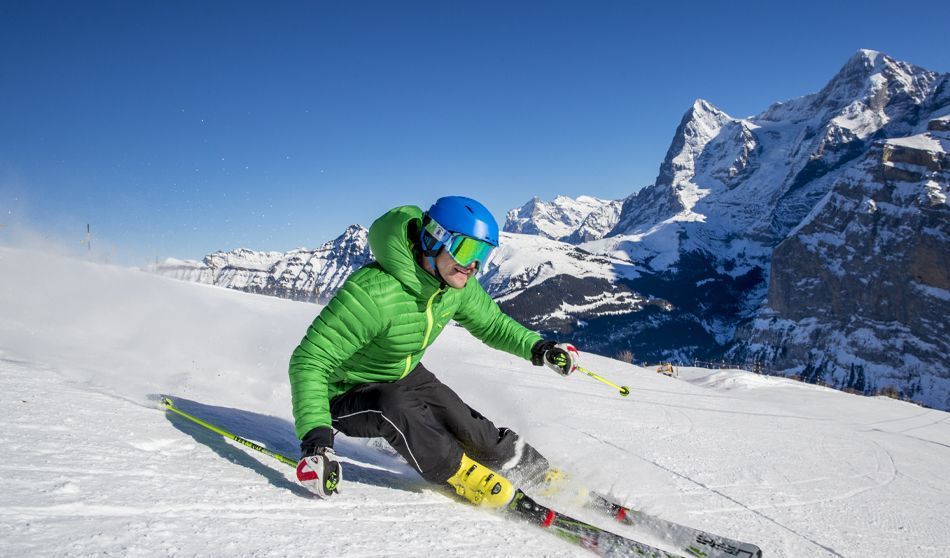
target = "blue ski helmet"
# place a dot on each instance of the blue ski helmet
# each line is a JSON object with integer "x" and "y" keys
{"x": 464, "y": 227}
{"x": 460, "y": 215}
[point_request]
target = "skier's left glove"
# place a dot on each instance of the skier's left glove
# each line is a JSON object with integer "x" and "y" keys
{"x": 560, "y": 357}
{"x": 318, "y": 469}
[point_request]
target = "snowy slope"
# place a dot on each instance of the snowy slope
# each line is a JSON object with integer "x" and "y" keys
{"x": 93, "y": 467}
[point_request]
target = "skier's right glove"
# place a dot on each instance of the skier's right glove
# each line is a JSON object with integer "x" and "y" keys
{"x": 318, "y": 469}
{"x": 560, "y": 357}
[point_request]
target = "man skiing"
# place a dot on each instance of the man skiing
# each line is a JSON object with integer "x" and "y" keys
{"x": 358, "y": 367}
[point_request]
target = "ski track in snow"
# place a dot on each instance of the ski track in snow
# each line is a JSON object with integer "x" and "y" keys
{"x": 94, "y": 467}
{"x": 713, "y": 490}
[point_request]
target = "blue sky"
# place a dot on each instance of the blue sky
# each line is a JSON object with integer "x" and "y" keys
{"x": 179, "y": 128}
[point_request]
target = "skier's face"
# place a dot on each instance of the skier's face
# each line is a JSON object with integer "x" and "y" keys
{"x": 454, "y": 274}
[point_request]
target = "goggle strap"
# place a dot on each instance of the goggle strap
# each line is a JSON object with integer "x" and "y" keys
{"x": 436, "y": 231}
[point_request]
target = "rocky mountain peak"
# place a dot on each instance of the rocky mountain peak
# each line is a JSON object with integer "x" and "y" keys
{"x": 301, "y": 274}
{"x": 859, "y": 79}
{"x": 867, "y": 92}
{"x": 703, "y": 110}
{"x": 701, "y": 123}
{"x": 674, "y": 192}
{"x": 564, "y": 218}
{"x": 354, "y": 230}
{"x": 763, "y": 175}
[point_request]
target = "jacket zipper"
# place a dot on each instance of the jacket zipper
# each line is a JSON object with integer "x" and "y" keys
{"x": 425, "y": 340}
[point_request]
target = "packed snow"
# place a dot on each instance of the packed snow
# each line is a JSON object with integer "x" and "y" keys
{"x": 94, "y": 467}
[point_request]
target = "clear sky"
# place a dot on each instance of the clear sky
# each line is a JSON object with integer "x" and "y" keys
{"x": 177, "y": 128}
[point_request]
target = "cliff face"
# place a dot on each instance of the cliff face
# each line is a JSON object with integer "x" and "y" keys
{"x": 859, "y": 294}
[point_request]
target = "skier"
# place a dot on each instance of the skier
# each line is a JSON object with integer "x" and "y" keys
{"x": 358, "y": 367}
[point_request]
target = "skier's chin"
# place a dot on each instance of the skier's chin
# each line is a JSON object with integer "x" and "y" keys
{"x": 457, "y": 279}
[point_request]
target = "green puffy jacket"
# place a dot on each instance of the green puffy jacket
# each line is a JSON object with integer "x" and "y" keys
{"x": 378, "y": 325}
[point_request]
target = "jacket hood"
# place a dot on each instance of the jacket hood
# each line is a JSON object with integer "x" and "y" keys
{"x": 391, "y": 246}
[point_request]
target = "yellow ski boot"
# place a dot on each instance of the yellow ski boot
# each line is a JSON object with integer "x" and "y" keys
{"x": 480, "y": 485}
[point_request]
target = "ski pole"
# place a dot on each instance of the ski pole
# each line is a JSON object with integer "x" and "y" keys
{"x": 282, "y": 458}
{"x": 624, "y": 390}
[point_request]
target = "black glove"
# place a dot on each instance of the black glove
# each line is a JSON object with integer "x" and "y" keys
{"x": 560, "y": 357}
{"x": 318, "y": 469}
{"x": 538, "y": 350}
{"x": 319, "y": 437}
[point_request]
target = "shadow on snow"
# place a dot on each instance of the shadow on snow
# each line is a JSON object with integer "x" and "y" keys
{"x": 361, "y": 464}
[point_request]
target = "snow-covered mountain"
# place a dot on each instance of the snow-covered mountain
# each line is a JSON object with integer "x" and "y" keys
{"x": 525, "y": 269}
{"x": 304, "y": 275}
{"x": 736, "y": 187}
{"x": 810, "y": 238}
{"x": 567, "y": 219}
{"x": 847, "y": 187}
{"x": 523, "y": 261}
{"x": 94, "y": 466}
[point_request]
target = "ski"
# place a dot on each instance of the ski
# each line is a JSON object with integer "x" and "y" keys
{"x": 599, "y": 541}
{"x": 694, "y": 542}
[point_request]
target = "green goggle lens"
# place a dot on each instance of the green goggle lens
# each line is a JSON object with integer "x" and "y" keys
{"x": 466, "y": 250}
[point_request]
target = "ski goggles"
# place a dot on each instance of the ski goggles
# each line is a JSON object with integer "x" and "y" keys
{"x": 463, "y": 249}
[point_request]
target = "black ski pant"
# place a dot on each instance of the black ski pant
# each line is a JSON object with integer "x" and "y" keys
{"x": 425, "y": 422}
